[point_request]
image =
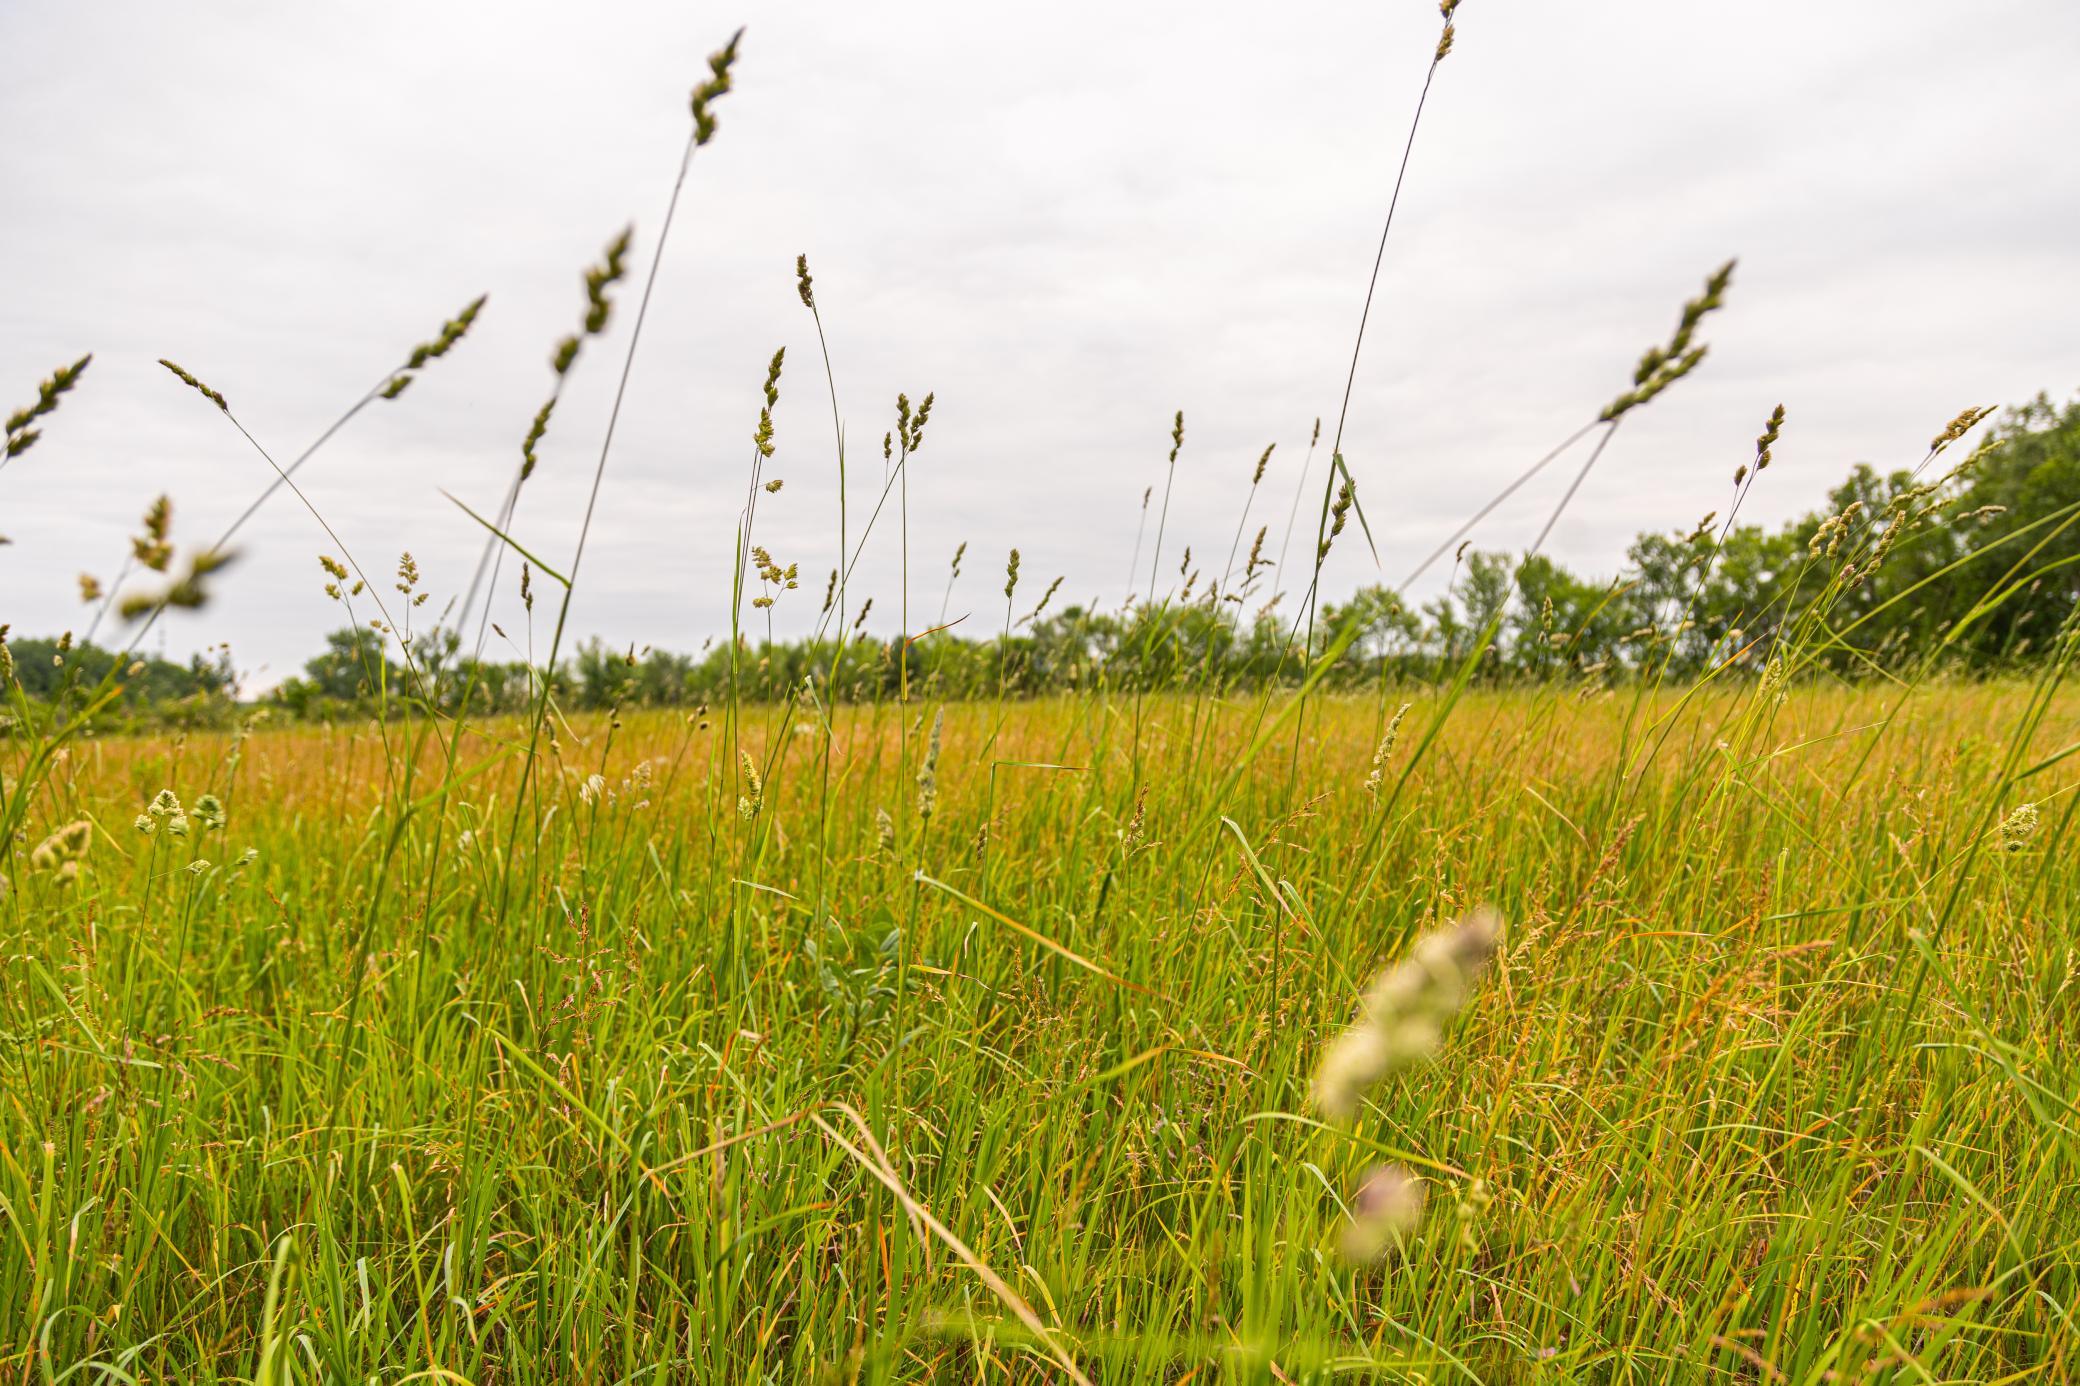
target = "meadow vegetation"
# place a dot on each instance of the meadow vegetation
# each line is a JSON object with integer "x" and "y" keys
{"x": 1670, "y": 978}
{"x": 1775, "y": 1065}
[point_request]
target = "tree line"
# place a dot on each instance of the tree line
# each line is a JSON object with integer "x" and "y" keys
{"x": 1973, "y": 566}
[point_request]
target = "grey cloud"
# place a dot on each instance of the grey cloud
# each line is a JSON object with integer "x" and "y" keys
{"x": 1067, "y": 221}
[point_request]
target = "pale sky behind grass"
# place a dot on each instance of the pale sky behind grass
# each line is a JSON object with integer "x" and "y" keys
{"x": 1068, "y": 221}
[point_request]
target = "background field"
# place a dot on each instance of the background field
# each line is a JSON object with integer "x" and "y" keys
{"x": 1771, "y": 1080}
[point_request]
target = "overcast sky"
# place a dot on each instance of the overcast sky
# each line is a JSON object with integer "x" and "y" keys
{"x": 1068, "y": 220}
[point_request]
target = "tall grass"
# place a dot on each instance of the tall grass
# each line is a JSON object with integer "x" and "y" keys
{"x": 1775, "y": 1060}
{"x": 896, "y": 1040}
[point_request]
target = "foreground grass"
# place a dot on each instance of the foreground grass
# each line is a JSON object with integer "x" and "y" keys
{"x": 1773, "y": 1080}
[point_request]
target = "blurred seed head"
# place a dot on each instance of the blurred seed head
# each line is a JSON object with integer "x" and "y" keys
{"x": 151, "y": 549}
{"x": 1386, "y": 1207}
{"x": 603, "y": 276}
{"x": 65, "y": 847}
{"x": 1402, "y": 1017}
{"x": 716, "y": 86}
{"x": 1045, "y": 598}
{"x": 20, "y": 436}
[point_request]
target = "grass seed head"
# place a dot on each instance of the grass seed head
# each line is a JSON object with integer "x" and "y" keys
{"x": 452, "y": 331}
{"x": 152, "y": 549}
{"x": 1402, "y": 1017}
{"x": 753, "y": 799}
{"x": 1045, "y": 598}
{"x": 1386, "y": 1207}
{"x": 2019, "y": 827}
{"x": 20, "y": 436}
{"x": 717, "y": 85}
{"x": 1768, "y": 440}
{"x": 1385, "y": 749}
{"x": 187, "y": 592}
{"x": 1775, "y": 685}
{"x": 909, "y": 431}
{"x": 192, "y": 383}
{"x": 603, "y": 276}
{"x": 1663, "y": 366}
{"x": 535, "y": 433}
{"x": 928, "y": 770}
{"x": 1339, "y": 513}
{"x": 67, "y": 846}
{"x": 1964, "y": 423}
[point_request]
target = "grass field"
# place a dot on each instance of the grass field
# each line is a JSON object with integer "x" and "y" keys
{"x": 1700, "y": 1012}
{"x": 999, "y": 1069}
